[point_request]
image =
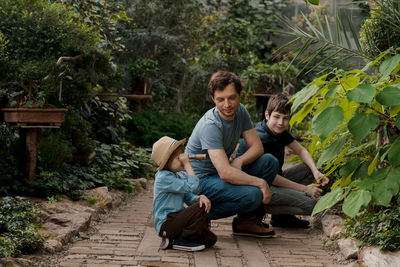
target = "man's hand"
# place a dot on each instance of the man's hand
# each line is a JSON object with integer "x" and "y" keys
{"x": 203, "y": 200}
{"x": 320, "y": 178}
{"x": 313, "y": 190}
{"x": 237, "y": 163}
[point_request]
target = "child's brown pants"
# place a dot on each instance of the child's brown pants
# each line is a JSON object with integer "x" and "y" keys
{"x": 190, "y": 223}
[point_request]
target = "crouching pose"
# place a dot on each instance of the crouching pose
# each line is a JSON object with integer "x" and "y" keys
{"x": 179, "y": 227}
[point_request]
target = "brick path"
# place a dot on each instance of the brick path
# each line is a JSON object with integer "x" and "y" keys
{"x": 127, "y": 238}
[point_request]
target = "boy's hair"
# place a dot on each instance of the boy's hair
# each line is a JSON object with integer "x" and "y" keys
{"x": 178, "y": 150}
{"x": 222, "y": 79}
{"x": 279, "y": 103}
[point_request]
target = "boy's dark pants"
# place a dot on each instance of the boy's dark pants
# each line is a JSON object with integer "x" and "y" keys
{"x": 190, "y": 223}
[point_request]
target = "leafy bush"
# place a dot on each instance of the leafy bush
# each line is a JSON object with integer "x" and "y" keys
{"x": 107, "y": 119}
{"x": 18, "y": 227}
{"x": 37, "y": 34}
{"x": 379, "y": 227}
{"x": 381, "y": 30}
{"x": 54, "y": 152}
{"x": 146, "y": 127}
{"x": 113, "y": 166}
{"x": 10, "y": 174}
{"x": 347, "y": 108}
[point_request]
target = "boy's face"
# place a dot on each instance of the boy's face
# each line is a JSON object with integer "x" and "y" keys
{"x": 277, "y": 122}
{"x": 174, "y": 164}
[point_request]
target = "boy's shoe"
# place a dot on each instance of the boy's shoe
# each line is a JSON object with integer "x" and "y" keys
{"x": 288, "y": 221}
{"x": 251, "y": 227}
{"x": 164, "y": 243}
{"x": 181, "y": 243}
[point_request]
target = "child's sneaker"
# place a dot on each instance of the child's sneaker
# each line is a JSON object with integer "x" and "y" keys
{"x": 164, "y": 243}
{"x": 182, "y": 244}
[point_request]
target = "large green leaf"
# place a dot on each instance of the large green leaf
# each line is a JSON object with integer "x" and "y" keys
{"x": 349, "y": 167}
{"x": 384, "y": 191}
{"x": 389, "y": 65}
{"x": 349, "y": 82}
{"x": 362, "y": 124}
{"x": 354, "y": 201}
{"x": 363, "y": 93}
{"x": 303, "y": 95}
{"x": 394, "y": 153}
{"x": 332, "y": 151}
{"x": 328, "y": 200}
{"x": 327, "y": 121}
{"x": 389, "y": 96}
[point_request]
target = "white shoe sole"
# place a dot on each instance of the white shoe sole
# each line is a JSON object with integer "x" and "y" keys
{"x": 198, "y": 248}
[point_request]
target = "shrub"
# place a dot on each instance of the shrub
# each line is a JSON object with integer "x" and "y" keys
{"x": 35, "y": 34}
{"x": 54, "y": 151}
{"x": 10, "y": 174}
{"x": 381, "y": 30}
{"x": 380, "y": 227}
{"x": 146, "y": 127}
{"x": 18, "y": 227}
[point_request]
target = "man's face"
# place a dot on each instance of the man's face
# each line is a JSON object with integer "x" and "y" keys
{"x": 277, "y": 122}
{"x": 227, "y": 102}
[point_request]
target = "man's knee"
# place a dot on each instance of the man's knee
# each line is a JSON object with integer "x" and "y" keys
{"x": 253, "y": 199}
{"x": 271, "y": 162}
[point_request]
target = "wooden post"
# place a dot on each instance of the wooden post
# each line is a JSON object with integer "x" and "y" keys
{"x": 32, "y": 143}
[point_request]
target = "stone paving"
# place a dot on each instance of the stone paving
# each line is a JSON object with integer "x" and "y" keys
{"x": 127, "y": 238}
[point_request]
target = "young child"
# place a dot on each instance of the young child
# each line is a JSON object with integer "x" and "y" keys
{"x": 179, "y": 227}
{"x": 297, "y": 194}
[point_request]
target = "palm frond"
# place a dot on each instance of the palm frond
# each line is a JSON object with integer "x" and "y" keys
{"x": 333, "y": 44}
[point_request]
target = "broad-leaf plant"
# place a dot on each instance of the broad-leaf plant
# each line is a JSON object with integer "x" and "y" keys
{"x": 355, "y": 123}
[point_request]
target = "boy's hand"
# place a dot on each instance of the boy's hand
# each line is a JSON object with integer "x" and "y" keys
{"x": 237, "y": 163}
{"x": 184, "y": 158}
{"x": 320, "y": 178}
{"x": 203, "y": 200}
{"x": 313, "y": 190}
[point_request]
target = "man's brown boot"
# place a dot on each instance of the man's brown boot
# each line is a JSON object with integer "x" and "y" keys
{"x": 251, "y": 227}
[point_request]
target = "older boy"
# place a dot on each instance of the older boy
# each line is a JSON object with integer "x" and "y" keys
{"x": 297, "y": 193}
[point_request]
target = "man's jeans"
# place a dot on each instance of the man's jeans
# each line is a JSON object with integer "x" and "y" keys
{"x": 290, "y": 201}
{"x": 228, "y": 199}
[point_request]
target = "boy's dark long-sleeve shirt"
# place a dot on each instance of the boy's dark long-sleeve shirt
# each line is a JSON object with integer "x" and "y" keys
{"x": 273, "y": 144}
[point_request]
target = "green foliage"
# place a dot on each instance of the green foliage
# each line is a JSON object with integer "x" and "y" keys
{"x": 379, "y": 227}
{"x": 102, "y": 16}
{"x": 143, "y": 68}
{"x": 10, "y": 175}
{"x": 106, "y": 119}
{"x": 146, "y": 127}
{"x": 54, "y": 152}
{"x": 79, "y": 132}
{"x": 51, "y": 53}
{"x": 113, "y": 166}
{"x": 381, "y": 31}
{"x": 347, "y": 108}
{"x": 18, "y": 227}
{"x": 236, "y": 32}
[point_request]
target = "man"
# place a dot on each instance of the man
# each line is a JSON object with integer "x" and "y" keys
{"x": 297, "y": 194}
{"x": 242, "y": 186}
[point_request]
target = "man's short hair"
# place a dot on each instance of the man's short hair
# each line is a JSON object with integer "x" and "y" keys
{"x": 222, "y": 79}
{"x": 279, "y": 103}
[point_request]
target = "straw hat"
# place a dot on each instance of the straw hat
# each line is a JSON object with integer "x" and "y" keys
{"x": 163, "y": 149}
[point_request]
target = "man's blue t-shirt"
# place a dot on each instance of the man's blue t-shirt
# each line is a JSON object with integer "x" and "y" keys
{"x": 273, "y": 144}
{"x": 213, "y": 132}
